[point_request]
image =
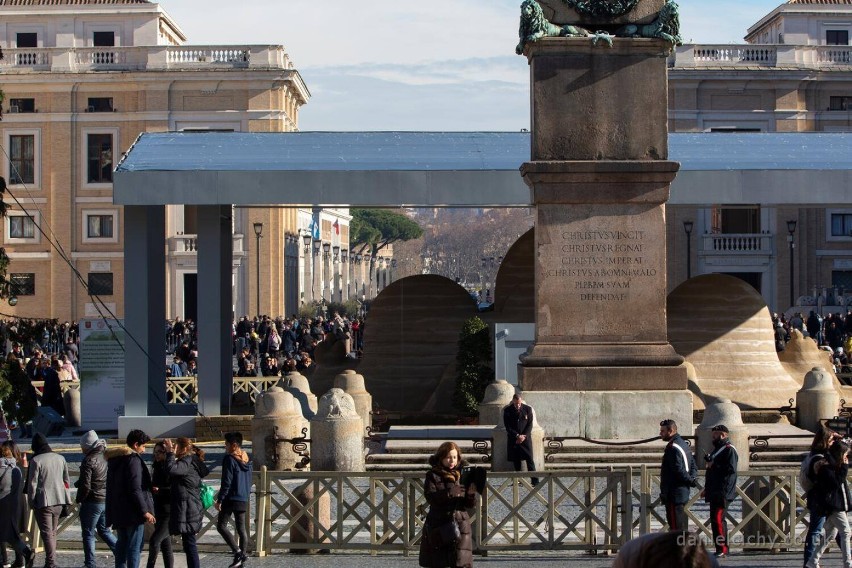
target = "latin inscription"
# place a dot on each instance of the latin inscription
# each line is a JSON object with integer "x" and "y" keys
{"x": 601, "y": 266}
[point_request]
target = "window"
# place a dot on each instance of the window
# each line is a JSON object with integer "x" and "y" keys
{"x": 22, "y": 284}
{"x": 100, "y": 104}
{"x": 99, "y": 158}
{"x": 21, "y": 159}
{"x": 21, "y": 227}
{"x": 21, "y": 105}
{"x": 103, "y": 39}
{"x": 28, "y": 39}
{"x": 837, "y": 37}
{"x": 100, "y": 226}
{"x": 100, "y": 283}
{"x": 841, "y": 224}
{"x": 840, "y": 103}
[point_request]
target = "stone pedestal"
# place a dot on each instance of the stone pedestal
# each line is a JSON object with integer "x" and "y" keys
{"x": 497, "y": 396}
{"x": 727, "y": 413}
{"x": 352, "y": 383}
{"x": 276, "y": 418}
{"x": 337, "y": 434}
{"x": 73, "y": 415}
{"x": 601, "y": 365}
{"x": 297, "y": 384}
{"x": 817, "y": 400}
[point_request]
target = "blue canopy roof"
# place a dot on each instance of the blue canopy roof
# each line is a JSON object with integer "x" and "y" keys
{"x": 448, "y": 151}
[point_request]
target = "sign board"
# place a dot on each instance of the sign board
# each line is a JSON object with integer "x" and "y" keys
{"x": 101, "y": 373}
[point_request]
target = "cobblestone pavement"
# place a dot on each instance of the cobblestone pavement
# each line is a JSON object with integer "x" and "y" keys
{"x": 524, "y": 560}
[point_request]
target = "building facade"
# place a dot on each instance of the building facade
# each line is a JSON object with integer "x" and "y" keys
{"x": 794, "y": 74}
{"x": 82, "y": 79}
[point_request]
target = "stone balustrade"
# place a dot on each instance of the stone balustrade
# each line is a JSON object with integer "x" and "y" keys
{"x": 737, "y": 244}
{"x": 759, "y": 55}
{"x": 144, "y": 58}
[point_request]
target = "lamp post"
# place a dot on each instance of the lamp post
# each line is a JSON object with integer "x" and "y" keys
{"x": 791, "y": 228}
{"x": 336, "y": 291}
{"x": 258, "y": 231}
{"x": 306, "y": 282}
{"x": 687, "y": 228}
{"x": 326, "y": 269}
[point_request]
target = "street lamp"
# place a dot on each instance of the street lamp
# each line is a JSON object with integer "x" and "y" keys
{"x": 258, "y": 231}
{"x": 687, "y": 227}
{"x": 336, "y": 251}
{"x": 306, "y": 238}
{"x": 791, "y": 228}
{"x": 325, "y": 248}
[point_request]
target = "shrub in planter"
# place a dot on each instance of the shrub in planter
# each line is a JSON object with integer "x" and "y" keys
{"x": 473, "y": 365}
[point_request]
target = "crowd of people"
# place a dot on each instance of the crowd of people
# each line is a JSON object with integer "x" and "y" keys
{"x": 268, "y": 347}
{"x": 833, "y": 333}
{"x": 118, "y": 496}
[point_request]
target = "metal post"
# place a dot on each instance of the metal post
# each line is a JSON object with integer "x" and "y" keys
{"x": 687, "y": 227}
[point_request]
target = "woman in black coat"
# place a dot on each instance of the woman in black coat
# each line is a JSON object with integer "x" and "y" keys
{"x": 444, "y": 545}
{"x": 161, "y": 489}
{"x": 834, "y": 500}
{"x": 186, "y": 468}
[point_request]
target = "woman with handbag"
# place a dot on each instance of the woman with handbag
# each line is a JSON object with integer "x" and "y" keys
{"x": 161, "y": 490}
{"x": 47, "y": 493}
{"x": 186, "y": 468}
{"x": 446, "y": 541}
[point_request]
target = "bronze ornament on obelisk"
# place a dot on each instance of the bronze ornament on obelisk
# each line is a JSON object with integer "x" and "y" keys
{"x": 599, "y": 174}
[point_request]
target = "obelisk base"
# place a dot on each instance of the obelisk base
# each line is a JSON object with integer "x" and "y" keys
{"x": 607, "y": 415}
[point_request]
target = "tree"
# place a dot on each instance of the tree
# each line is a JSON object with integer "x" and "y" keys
{"x": 16, "y": 393}
{"x": 473, "y": 366}
{"x": 374, "y": 229}
{"x": 371, "y": 230}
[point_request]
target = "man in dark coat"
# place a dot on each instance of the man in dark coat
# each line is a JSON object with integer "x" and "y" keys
{"x": 518, "y": 421}
{"x": 129, "y": 503}
{"x": 720, "y": 487}
{"x": 677, "y": 475}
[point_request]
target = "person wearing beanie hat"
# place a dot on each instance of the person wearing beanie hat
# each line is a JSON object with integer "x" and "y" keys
{"x": 91, "y": 495}
{"x": 720, "y": 487}
{"x": 47, "y": 493}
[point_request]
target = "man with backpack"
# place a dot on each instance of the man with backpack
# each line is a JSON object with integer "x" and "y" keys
{"x": 677, "y": 476}
{"x": 720, "y": 486}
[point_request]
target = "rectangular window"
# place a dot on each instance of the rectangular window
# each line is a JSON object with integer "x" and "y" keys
{"x": 103, "y": 39}
{"x": 99, "y": 226}
{"x": 100, "y": 283}
{"x": 21, "y": 105}
{"x": 840, "y": 103}
{"x": 100, "y": 104}
{"x": 99, "y": 158}
{"x": 21, "y": 227}
{"x": 27, "y": 40}
{"x": 22, "y": 284}
{"x": 841, "y": 224}
{"x": 837, "y": 37}
{"x": 21, "y": 158}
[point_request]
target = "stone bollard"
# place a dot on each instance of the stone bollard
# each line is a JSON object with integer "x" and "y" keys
{"x": 722, "y": 412}
{"x": 497, "y": 396}
{"x": 817, "y": 399}
{"x": 73, "y": 413}
{"x": 500, "y": 449}
{"x": 337, "y": 442}
{"x": 297, "y": 384}
{"x": 275, "y": 417}
{"x": 352, "y": 384}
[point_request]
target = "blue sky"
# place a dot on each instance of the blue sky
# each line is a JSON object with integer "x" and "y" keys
{"x": 404, "y": 65}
